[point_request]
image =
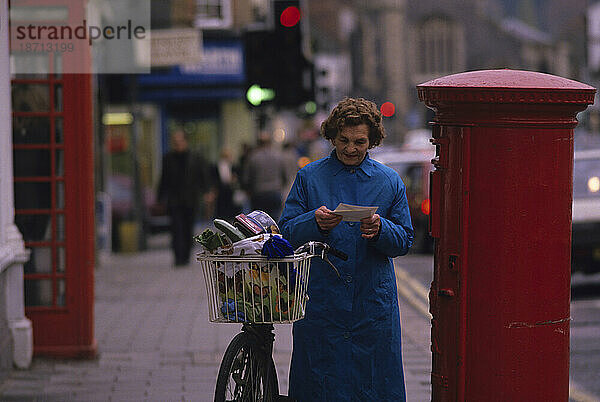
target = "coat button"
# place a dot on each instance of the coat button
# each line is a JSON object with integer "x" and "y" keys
{"x": 352, "y": 170}
{"x": 346, "y": 335}
{"x": 348, "y": 279}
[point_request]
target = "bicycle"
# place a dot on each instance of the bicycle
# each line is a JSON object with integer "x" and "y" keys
{"x": 257, "y": 292}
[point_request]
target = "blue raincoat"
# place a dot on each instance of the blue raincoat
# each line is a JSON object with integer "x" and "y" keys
{"x": 348, "y": 346}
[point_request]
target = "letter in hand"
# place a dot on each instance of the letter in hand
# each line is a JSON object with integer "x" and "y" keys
{"x": 326, "y": 219}
{"x": 370, "y": 226}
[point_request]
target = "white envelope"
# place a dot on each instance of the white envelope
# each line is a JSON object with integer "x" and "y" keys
{"x": 354, "y": 213}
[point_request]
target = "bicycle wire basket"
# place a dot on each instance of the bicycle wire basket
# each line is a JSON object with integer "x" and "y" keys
{"x": 256, "y": 289}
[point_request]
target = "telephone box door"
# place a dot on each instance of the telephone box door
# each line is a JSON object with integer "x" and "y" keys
{"x": 53, "y": 187}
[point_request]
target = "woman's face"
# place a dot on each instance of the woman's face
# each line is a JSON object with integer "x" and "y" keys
{"x": 351, "y": 144}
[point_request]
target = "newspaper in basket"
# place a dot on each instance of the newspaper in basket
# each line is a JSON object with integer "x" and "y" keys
{"x": 256, "y": 289}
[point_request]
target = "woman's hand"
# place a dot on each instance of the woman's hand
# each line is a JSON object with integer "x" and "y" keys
{"x": 326, "y": 219}
{"x": 370, "y": 226}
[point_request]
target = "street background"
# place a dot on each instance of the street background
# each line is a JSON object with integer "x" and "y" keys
{"x": 155, "y": 342}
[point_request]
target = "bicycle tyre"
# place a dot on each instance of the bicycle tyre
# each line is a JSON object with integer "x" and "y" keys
{"x": 245, "y": 374}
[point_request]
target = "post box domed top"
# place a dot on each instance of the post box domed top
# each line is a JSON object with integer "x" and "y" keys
{"x": 504, "y": 86}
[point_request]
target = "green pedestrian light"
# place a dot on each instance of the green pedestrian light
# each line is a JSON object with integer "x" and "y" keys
{"x": 256, "y": 95}
{"x": 310, "y": 107}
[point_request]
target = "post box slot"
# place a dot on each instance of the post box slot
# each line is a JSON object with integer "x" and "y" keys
{"x": 442, "y": 146}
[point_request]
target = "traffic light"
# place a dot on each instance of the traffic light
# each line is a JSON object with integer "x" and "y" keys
{"x": 276, "y": 68}
{"x": 290, "y": 16}
{"x": 259, "y": 61}
{"x": 294, "y": 78}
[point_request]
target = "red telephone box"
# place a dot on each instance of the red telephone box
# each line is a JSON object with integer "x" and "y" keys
{"x": 54, "y": 194}
{"x": 501, "y": 216}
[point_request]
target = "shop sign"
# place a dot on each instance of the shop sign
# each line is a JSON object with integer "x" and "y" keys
{"x": 171, "y": 47}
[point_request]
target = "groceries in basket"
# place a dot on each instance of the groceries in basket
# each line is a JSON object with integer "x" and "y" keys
{"x": 259, "y": 292}
{"x": 261, "y": 288}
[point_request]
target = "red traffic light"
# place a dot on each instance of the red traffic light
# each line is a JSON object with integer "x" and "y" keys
{"x": 290, "y": 16}
{"x": 388, "y": 109}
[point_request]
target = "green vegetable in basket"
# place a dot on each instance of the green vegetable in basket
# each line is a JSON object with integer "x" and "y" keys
{"x": 211, "y": 240}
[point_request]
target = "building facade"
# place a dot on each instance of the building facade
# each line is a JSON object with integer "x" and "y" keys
{"x": 396, "y": 44}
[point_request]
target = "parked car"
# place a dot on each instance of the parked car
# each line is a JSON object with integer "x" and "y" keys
{"x": 413, "y": 164}
{"x": 585, "y": 256}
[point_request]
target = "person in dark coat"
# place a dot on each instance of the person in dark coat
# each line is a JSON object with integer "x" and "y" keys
{"x": 348, "y": 346}
{"x": 184, "y": 177}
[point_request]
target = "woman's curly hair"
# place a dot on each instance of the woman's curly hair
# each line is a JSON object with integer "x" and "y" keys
{"x": 353, "y": 112}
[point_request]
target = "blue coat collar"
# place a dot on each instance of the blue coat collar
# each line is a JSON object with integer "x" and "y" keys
{"x": 336, "y": 166}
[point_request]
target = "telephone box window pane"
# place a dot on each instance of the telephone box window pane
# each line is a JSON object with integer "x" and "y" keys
{"x": 30, "y": 98}
{"x": 60, "y": 227}
{"x": 60, "y": 195}
{"x": 59, "y": 168}
{"x": 60, "y": 259}
{"x": 32, "y": 195}
{"x": 61, "y": 293}
{"x": 40, "y": 261}
{"x": 29, "y": 65}
{"x": 31, "y": 162}
{"x": 58, "y": 98}
{"x": 34, "y": 227}
{"x": 58, "y": 130}
{"x": 31, "y": 130}
{"x": 38, "y": 292}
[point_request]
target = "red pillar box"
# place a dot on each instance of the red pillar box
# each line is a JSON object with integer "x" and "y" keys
{"x": 501, "y": 215}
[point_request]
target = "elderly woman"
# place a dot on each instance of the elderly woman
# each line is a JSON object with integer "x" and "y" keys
{"x": 348, "y": 348}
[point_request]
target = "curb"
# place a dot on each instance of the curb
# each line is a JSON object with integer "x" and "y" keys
{"x": 417, "y": 295}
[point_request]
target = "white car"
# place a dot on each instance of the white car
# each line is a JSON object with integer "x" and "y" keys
{"x": 586, "y": 211}
{"x": 413, "y": 166}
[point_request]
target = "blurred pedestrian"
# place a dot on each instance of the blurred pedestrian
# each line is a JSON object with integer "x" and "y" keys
{"x": 241, "y": 194}
{"x": 184, "y": 178}
{"x": 290, "y": 161}
{"x": 265, "y": 174}
{"x": 348, "y": 346}
{"x": 226, "y": 182}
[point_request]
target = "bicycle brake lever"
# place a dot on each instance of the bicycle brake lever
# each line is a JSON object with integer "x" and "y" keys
{"x": 324, "y": 258}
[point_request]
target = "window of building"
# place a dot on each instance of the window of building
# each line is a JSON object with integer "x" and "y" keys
{"x": 213, "y": 14}
{"x": 440, "y": 47}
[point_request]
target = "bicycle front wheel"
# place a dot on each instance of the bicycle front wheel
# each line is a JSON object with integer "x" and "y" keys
{"x": 246, "y": 373}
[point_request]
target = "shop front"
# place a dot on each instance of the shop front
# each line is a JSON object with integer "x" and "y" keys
{"x": 205, "y": 99}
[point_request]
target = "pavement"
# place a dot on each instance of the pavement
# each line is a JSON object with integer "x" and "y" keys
{"x": 155, "y": 342}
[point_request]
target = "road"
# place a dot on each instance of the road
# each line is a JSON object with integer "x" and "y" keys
{"x": 415, "y": 273}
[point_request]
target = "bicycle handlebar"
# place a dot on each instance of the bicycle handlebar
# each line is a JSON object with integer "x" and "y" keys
{"x": 339, "y": 254}
{"x": 321, "y": 249}
{"x": 317, "y": 248}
